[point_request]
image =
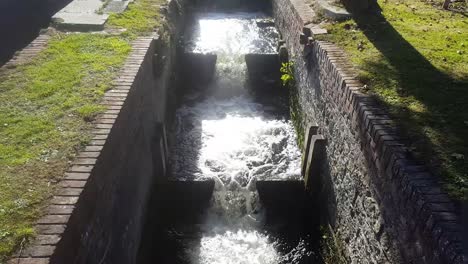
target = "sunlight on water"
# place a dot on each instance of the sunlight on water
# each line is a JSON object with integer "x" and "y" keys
{"x": 238, "y": 247}
{"x": 236, "y": 33}
{"x": 234, "y": 140}
{"x": 222, "y": 133}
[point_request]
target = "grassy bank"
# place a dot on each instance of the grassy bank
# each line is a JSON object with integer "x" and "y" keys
{"x": 45, "y": 109}
{"x": 43, "y": 112}
{"x": 413, "y": 57}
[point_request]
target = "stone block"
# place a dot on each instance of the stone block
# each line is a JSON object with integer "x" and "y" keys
{"x": 311, "y": 131}
{"x": 64, "y": 200}
{"x": 72, "y": 183}
{"x": 116, "y": 6}
{"x": 316, "y": 156}
{"x": 263, "y": 69}
{"x": 198, "y": 68}
{"x": 318, "y": 31}
{"x": 29, "y": 261}
{"x": 179, "y": 199}
{"x": 69, "y": 191}
{"x": 36, "y": 251}
{"x": 332, "y": 11}
{"x": 282, "y": 195}
{"x": 54, "y": 219}
{"x": 60, "y": 209}
{"x": 47, "y": 239}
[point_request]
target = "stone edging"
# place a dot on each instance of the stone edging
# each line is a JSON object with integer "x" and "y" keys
{"x": 51, "y": 226}
{"x": 429, "y": 209}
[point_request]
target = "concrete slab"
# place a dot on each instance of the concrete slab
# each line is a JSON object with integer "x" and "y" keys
{"x": 263, "y": 69}
{"x": 315, "y": 158}
{"x": 116, "y": 7}
{"x": 182, "y": 199}
{"x": 333, "y": 11}
{"x": 281, "y": 194}
{"x": 199, "y": 68}
{"x": 318, "y": 31}
{"x": 313, "y": 130}
{"x": 81, "y": 15}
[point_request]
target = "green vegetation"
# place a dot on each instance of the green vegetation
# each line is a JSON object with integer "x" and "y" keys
{"x": 287, "y": 74}
{"x": 288, "y": 80}
{"x": 412, "y": 56}
{"x": 141, "y": 17}
{"x": 44, "y": 104}
{"x": 45, "y": 109}
{"x": 331, "y": 248}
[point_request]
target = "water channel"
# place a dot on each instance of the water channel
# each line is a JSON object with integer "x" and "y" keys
{"x": 236, "y": 134}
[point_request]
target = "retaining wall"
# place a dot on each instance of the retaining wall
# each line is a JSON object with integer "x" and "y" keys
{"x": 108, "y": 219}
{"x": 98, "y": 213}
{"x": 384, "y": 206}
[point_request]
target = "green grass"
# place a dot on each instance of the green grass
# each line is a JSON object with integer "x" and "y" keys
{"x": 413, "y": 58}
{"x": 44, "y": 104}
{"x": 141, "y": 17}
{"x": 45, "y": 109}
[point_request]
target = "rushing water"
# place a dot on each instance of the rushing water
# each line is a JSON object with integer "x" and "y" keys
{"x": 224, "y": 133}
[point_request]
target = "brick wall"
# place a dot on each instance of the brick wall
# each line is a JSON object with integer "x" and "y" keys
{"x": 106, "y": 223}
{"x": 98, "y": 213}
{"x": 384, "y": 206}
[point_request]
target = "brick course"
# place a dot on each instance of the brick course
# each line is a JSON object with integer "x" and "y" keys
{"x": 386, "y": 206}
{"x": 51, "y": 227}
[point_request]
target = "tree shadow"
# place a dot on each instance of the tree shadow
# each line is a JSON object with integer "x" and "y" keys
{"x": 21, "y": 22}
{"x": 436, "y": 130}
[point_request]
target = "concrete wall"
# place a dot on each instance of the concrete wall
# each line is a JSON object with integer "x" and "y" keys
{"x": 383, "y": 206}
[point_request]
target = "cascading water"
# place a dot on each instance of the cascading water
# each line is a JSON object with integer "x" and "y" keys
{"x": 224, "y": 133}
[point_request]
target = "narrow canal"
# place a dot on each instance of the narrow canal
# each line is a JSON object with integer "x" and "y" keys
{"x": 234, "y": 132}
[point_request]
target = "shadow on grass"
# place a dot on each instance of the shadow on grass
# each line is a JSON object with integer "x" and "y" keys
{"x": 436, "y": 128}
{"x": 21, "y": 22}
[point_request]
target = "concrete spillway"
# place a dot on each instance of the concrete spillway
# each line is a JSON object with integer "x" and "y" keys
{"x": 195, "y": 159}
{"x": 235, "y": 193}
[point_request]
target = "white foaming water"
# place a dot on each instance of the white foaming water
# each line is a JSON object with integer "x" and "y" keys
{"x": 223, "y": 134}
{"x": 238, "y": 247}
{"x": 235, "y": 33}
{"x": 234, "y": 139}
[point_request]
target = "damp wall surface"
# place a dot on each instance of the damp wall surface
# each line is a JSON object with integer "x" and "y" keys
{"x": 384, "y": 206}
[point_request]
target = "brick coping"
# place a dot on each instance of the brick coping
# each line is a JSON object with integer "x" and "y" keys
{"x": 50, "y": 227}
{"x": 385, "y": 150}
